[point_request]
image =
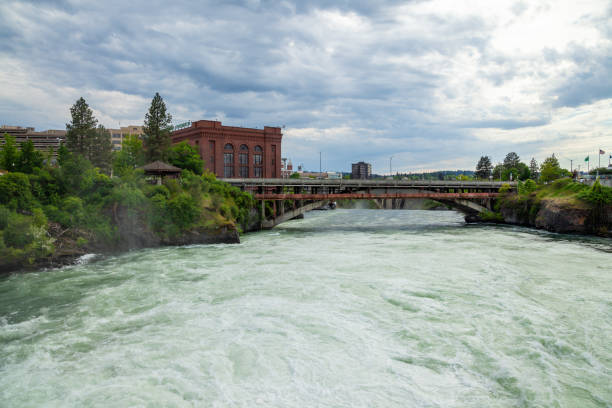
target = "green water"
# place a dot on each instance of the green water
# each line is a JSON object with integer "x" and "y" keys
{"x": 346, "y": 308}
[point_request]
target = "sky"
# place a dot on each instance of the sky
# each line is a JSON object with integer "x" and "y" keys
{"x": 418, "y": 85}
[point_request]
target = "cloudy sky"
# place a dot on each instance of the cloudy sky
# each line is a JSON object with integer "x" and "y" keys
{"x": 435, "y": 84}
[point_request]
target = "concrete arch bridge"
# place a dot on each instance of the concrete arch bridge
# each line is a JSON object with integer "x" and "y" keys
{"x": 291, "y": 198}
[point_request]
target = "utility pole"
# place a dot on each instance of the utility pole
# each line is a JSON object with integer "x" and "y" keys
{"x": 320, "y": 165}
{"x": 390, "y": 171}
{"x": 571, "y": 166}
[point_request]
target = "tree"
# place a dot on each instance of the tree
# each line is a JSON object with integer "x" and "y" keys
{"x": 9, "y": 153}
{"x": 512, "y": 160}
{"x": 185, "y": 156}
{"x": 81, "y": 129}
{"x": 130, "y": 156}
{"x": 157, "y": 127}
{"x": 101, "y": 149}
{"x": 497, "y": 171}
{"x": 533, "y": 168}
{"x": 29, "y": 158}
{"x": 484, "y": 168}
{"x": 550, "y": 169}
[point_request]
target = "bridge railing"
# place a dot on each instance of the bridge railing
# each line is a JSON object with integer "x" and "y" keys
{"x": 288, "y": 182}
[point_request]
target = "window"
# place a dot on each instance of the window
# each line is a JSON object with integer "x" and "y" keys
{"x": 257, "y": 172}
{"x": 257, "y": 159}
{"x": 229, "y": 146}
{"x": 244, "y": 147}
{"x": 244, "y": 172}
{"x": 243, "y": 158}
{"x": 228, "y": 165}
{"x": 211, "y": 147}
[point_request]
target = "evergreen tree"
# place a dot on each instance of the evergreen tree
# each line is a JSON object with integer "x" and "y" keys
{"x": 29, "y": 158}
{"x": 81, "y": 129}
{"x": 484, "y": 168}
{"x": 101, "y": 149}
{"x": 9, "y": 154}
{"x": 63, "y": 154}
{"x": 157, "y": 127}
{"x": 533, "y": 168}
{"x": 512, "y": 160}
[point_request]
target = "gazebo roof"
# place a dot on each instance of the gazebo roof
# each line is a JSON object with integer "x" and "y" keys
{"x": 160, "y": 167}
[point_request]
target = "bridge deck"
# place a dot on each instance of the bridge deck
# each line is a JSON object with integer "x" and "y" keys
{"x": 339, "y": 196}
{"x": 365, "y": 184}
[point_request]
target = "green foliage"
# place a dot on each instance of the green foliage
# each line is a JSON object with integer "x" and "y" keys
{"x": 511, "y": 160}
{"x": 601, "y": 170}
{"x": 186, "y": 157}
{"x": 9, "y": 155}
{"x": 18, "y": 232}
{"x": 484, "y": 168}
{"x": 505, "y": 188}
{"x": 597, "y": 194}
{"x": 81, "y": 129}
{"x": 15, "y": 191}
{"x": 29, "y": 158}
{"x": 5, "y": 215}
{"x": 527, "y": 187}
{"x": 100, "y": 151}
{"x": 183, "y": 210}
{"x": 297, "y": 176}
{"x": 550, "y": 170}
{"x": 130, "y": 156}
{"x": 157, "y": 128}
{"x": 490, "y": 216}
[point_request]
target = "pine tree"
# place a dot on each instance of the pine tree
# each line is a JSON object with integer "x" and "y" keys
{"x": 157, "y": 129}
{"x": 484, "y": 168}
{"x": 29, "y": 158}
{"x": 9, "y": 154}
{"x": 101, "y": 149}
{"x": 512, "y": 160}
{"x": 534, "y": 168}
{"x": 80, "y": 130}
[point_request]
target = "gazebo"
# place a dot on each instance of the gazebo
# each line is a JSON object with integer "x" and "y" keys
{"x": 157, "y": 170}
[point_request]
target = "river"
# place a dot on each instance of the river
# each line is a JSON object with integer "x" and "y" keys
{"x": 345, "y": 308}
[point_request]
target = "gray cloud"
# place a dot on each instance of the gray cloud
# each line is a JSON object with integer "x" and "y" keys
{"x": 307, "y": 64}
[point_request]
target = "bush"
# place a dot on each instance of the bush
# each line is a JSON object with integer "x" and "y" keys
{"x": 5, "y": 215}
{"x": 18, "y": 232}
{"x": 597, "y": 194}
{"x": 183, "y": 210}
{"x": 15, "y": 191}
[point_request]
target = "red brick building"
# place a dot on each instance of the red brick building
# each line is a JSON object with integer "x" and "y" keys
{"x": 235, "y": 152}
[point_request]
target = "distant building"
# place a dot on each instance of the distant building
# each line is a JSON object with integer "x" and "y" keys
{"x": 44, "y": 141}
{"x": 361, "y": 170}
{"x": 230, "y": 151}
{"x": 286, "y": 168}
{"x": 117, "y": 135}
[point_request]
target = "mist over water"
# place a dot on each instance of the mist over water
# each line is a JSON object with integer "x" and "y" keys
{"x": 346, "y": 308}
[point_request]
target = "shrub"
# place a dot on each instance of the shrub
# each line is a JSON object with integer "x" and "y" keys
{"x": 183, "y": 210}
{"x": 18, "y": 232}
{"x": 15, "y": 191}
{"x": 5, "y": 215}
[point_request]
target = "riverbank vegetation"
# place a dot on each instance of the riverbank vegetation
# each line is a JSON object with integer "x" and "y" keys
{"x": 90, "y": 199}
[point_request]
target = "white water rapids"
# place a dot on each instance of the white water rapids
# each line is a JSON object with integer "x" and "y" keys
{"x": 346, "y": 308}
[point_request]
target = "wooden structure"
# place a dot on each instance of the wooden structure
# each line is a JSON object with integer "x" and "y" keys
{"x": 158, "y": 170}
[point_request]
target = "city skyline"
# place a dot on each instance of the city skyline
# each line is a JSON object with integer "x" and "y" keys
{"x": 435, "y": 84}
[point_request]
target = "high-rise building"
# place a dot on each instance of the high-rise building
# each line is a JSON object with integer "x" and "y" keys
{"x": 361, "y": 170}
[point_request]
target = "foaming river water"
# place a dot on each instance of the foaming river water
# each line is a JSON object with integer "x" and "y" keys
{"x": 346, "y": 308}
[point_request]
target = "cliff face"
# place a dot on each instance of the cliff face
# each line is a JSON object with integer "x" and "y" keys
{"x": 557, "y": 216}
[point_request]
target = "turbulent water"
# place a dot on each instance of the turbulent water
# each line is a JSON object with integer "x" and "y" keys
{"x": 346, "y": 308}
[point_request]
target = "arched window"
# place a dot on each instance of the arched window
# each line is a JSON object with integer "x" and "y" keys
{"x": 258, "y": 149}
{"x": 228, "y": 161}
{"x": 243, "y": 160}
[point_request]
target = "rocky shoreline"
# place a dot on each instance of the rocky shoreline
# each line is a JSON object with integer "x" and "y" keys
{"x": 68, "y": 251}
{"x": 559, "y": 216}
